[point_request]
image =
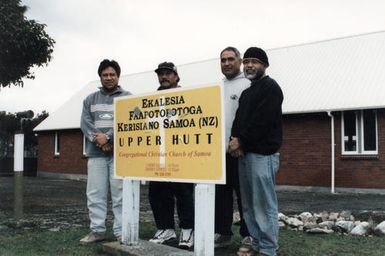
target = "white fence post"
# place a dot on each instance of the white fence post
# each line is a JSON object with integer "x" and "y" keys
{"x": 18, "y": 167}
{"x": 18, "y": 155}
{"x": 204, "y": 219}
{"x": 130, "y": 218}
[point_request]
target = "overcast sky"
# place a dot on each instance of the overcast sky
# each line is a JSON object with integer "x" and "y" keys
{"x": 141, "y": 34}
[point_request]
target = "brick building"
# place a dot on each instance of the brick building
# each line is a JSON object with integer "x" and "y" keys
{"x": 334, "y": 95}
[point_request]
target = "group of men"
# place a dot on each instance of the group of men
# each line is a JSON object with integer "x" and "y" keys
{"x": 253, "y": 132}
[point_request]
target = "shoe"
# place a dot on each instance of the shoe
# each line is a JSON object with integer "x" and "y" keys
{"x": 92, "y": 237}
{"x": 221, "y": 240}
{"x": 186, "y": 239}
{"x": 163, "y": 236}
{"x": 247, "y": 240}
{"x": 246, "y": 250}
{"x": 119, "y": 239}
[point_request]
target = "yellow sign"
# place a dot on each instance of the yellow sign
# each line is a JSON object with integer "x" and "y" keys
{"x": 172, "y": 135}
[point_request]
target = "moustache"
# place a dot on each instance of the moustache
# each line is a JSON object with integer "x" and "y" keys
{"x": 249, "y": 70}
{"x": 164, "y": 80}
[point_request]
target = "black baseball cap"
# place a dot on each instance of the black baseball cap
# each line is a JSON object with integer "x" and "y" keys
{"x": 168, "y": 66}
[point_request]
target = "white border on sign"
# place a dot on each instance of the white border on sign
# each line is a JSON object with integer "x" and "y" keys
{"x": 222, "y": 180}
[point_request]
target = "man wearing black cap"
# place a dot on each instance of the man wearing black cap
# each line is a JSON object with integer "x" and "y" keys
{"x": 162, "y": 195}
{"x": 256, "y": 138}
{"x": 167, "y": 75}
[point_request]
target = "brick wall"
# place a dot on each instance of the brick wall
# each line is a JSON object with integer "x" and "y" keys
{"x": 305, "y": 153}
{"x": 70, "y": 160}
{"x": 364, "y": 171}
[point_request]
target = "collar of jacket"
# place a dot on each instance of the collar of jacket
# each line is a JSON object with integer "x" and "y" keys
{"x": 118, "y": 90}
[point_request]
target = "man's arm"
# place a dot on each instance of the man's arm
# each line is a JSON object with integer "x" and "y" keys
{"x": 87, "y": 124}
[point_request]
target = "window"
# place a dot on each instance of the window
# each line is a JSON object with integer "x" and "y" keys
{"x": 359, "y": 132}
{"x": 57, "y": 144}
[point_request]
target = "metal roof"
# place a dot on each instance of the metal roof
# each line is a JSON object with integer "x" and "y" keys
{"x": 339, "y": 74}
{"x": 332, "y": 75}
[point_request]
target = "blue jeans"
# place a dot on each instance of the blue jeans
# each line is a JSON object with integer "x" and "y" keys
{"x": 100, "y": 178}
{"x": 259, "y": 200}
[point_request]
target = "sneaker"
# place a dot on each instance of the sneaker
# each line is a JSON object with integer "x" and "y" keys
{"x": 186, "y": 239}
{"x": 221, "y": 240}
{"x": 243, "y": 251}
{"x": 247, "y": 240}
{"x": 92, "y": 237}
{"x": 246, "y": 248}
{"x": 163, "y": 236}
{"x": 119, "y": 239}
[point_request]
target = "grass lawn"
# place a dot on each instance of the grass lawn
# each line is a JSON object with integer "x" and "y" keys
{"x": 300, "y": 243}
{"x": 65, "y": 242}
{"x": 18, "y": 241}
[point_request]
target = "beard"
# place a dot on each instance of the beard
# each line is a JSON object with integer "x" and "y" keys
{"x": 254, "y": 74}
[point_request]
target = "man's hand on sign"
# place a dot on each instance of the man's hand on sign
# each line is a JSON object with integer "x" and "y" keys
{"x": 100, "y": 139}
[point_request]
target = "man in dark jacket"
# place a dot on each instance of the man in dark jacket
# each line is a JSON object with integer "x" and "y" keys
{"x": 256, "y": 139}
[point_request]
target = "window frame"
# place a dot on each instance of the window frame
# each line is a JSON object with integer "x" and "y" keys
{"x": 360, "y": 150}
{"x": 369, "y": 152}
{"x": 84, "y": 145}
{"x": 57, "y": 144}
{"x": 344, "y": 152}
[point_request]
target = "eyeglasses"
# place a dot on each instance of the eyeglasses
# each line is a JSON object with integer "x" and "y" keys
{"x": 229, "y": 59}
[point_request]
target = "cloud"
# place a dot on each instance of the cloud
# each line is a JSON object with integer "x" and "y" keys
{"x": 141, "y": 34}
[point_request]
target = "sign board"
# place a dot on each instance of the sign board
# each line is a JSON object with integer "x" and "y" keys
{"x": 172, "y": 135}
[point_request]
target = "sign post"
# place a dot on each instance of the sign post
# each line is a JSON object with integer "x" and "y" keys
{"x": 130, "y": 218}
{"x": 204, "y": 219}
{"x": 18, "y": 164}
{"x": 173, "y": 136}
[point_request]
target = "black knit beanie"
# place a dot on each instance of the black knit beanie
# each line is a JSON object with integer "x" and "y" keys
{"x": 258, "y": 53}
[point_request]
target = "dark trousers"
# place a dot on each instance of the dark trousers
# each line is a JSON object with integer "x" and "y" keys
{"x": 224, "y": 200}
{"x": 163, "y": 195}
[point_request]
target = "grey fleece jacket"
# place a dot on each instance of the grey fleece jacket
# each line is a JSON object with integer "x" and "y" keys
{"x": 98, "y": 116}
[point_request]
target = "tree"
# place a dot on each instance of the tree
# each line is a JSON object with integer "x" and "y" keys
{"x": 23, "y": 44}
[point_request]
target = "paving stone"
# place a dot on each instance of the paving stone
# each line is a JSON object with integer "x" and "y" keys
{"x": 144, "y": 248}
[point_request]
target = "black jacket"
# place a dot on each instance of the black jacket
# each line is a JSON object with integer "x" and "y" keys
{"x": 258, "y": 120}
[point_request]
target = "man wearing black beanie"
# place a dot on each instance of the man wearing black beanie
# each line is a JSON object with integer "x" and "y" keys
{"x": 256, "y": 137}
